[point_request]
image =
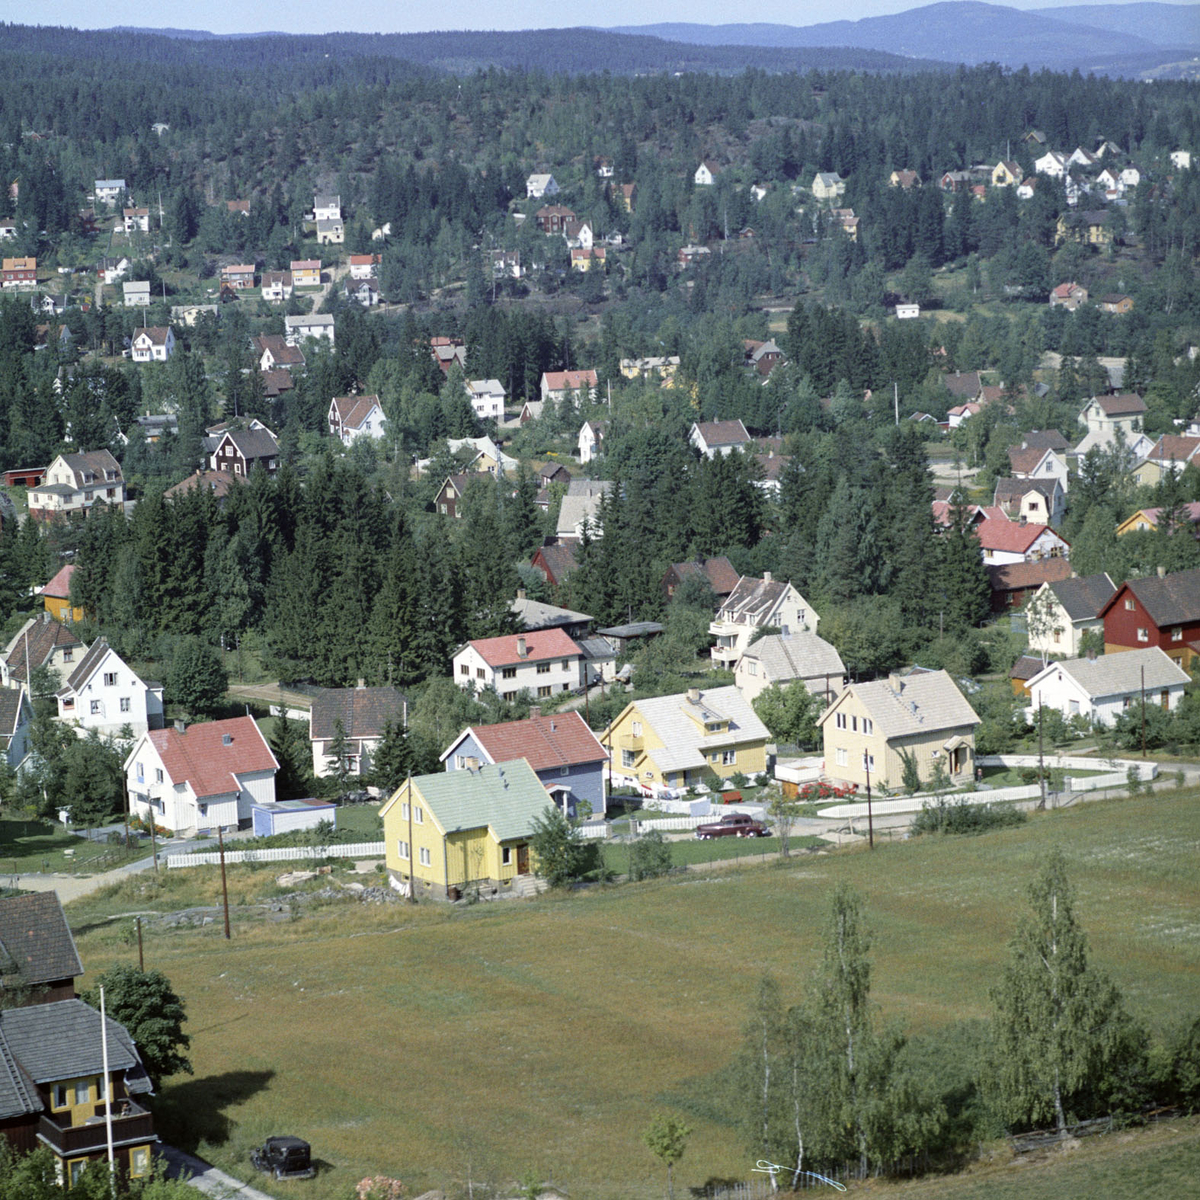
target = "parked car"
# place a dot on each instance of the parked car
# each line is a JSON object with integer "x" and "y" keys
{"x": 285, "y": 1158}
{"x": 732, "y": 825}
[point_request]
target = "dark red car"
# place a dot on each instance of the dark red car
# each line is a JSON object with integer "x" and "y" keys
{"x": 732, "y": 825}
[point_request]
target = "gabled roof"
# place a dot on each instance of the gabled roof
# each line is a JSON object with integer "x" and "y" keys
{"x": 914, "y": 705}
{"x": 539, "y": 644}
{"x": 14, "y": 704}
{"x": 559, "y": 560}
{"x": 1026, "y": 667}
{"x": 797, "y": 656}
{"x": 999, "y": 533}
{"x": 352, "y": 411}
{"x": 62, "y": 1040}
{"x": 1011, "y": 577}
{"x": 89, "y": 665}
{"x": 1174, "y": 448}
{"x": 1127, "y": 404}
{"x": 35, "y": 940}
{"x": 753, "y": 599}
{"x": 59, "y": 587}
{"x": 557, "y": 381}
{"x": 200, "y": 756}
{"x": 363, "y": 711}
{"x": 533, "y": 614}
{"x": 678, "y": 721}
{"x": 251, "y": 443}
{"x": 1082, "y": 598}
{"x": 504, "y": 797}
{"x": 721, "y": 433}
{"x": 217, "y": 482}
{"x": 558, "y": 740}
{"x": 966, "y": 385}
{"x": 156, "y": 335}
{"x": 1045, "y": 439}
{"x": 45, "y": 636}
{"x": 719, "y": 571}
{"x": 281, "y": 352}
{"x": 1119, "y": 674}
{"x": 1016, "y": 489}
{"x": 97, "y": 463}
{"x": 1169, "y": 599}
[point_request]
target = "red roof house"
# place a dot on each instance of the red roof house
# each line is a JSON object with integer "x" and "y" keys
{"x": 541, "y": 661}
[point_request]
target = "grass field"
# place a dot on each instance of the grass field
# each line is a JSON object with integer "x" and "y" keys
{"x": 545, "y": 1035}
{"x": 29, "y": 846}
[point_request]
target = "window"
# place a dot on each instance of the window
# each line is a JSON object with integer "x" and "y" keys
{"x": 854, "y": 724}
{"x": 423, "y": 853}
{"x": 868, "y": 726}
{"x": 418, "y": 815}
{"x": 402, "y": 850}
{"x": 141, "y": 773}
{"x": 543, "y": 668}
{"x": 840, "y": 755}
{"x": 566, "y": 664}
{"x": 68, "y": 704}
{"x": 479, "y": 673}
{"x": 1129, "y": 605}
{"x": 1143, "y": 635}
{"x": 543, "y": 692}
{"x": 1166, "y": 698}
{"x": 869, "y": 760}
{"x": 636, "y": 726}
{"x": 124, "y": 703}
{"x": 1127, "y": 702}
{"x": 1177, "y": 634}
{"x": 459, "y": 762}
{"x": 139, "y": 1160}
{"x": 751, "y": 667}
{"x": 840, "y": 720}
{"x": 158, "y": 775}
{"x": 509, "y": 695}
{"x": 463, "y": 669}
{"x": 1072, "y": 706}
{"x": 101, "y": 1088}
{"x": 76, "y": 1170}
{"x": 627, "y": 758}
{"x": 564, "y": 770}
{"x": 97, "y": 709}
{"x": 506, "y": 856}
{"x": 728, "y": 758}
{"x": 59, "y": 1097}
{"x": 83, "y": 1091}
{"x": 403, "y": 811}
{"x": 68, "y": 656}
{"x": 509, "y": 673}
{"x": 1057, "y": 636}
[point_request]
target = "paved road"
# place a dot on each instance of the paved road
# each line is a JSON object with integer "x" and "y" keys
{"x": 207, "y": 1179}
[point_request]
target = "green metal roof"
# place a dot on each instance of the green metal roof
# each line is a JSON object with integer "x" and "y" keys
{"x": 504, "y": 796}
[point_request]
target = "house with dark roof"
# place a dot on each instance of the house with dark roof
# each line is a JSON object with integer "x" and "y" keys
{"x": 543, "y": 662}
{"x": 103, "y": 694}
{"x": 16, "y": 715}
{"x": 1030, "y": 461}
{"x": 354, "y": 417}
{"x": 719, "y": 437}
{"x": 1022, "y": 671}
{"x": 1148, "y": 518}
{"x": 190, "y": 778}
{"x": 563, "y": 752}
{"x": 38, "y": 959}
{"x": 1107, "y": 414}
{"x": 74, "y": 482}
{"x": 756, "y": 604}
{"x": 40, "y": 642}
{"x": 1160, "y": 610}
{"x": 219, "y": 483}
{"x": 275, "y": 353}
{"x": 239, "y": 451}
{"x": 870, "y": 728}
{"x": 1015, "y": 582}
{"x": 453, "y": 832}
{"x": 1067, "y": 608}
{"x": 556, "y": 560}
{"x": 797, "y": 658}
{"x": 719, "y": 571}
{"x": 360, "y": 714}
{"x": 534, "y": 614}
{"x": 154, "y": 343}
{"x": 964, "y": 385}
{"x": 1169, "y": 456}
{"x": 450, "y": 495}
{"x": 1041, "y": 501}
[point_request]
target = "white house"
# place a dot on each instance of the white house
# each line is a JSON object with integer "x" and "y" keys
{"x": 1065, "y": 610}
{"x": 718, "y": 437}
{"x": 1101, "y": 689}
{"x": 706, "y": 174}
{"x": 542, "y": 661}
{"x": 327, "y": 208}
{"x": 1052, "y": 164}
{"x": 1181, "y": 160}
{"x": 756, "y": 604}
{"x": 277, "y": 286}
{"x": 1003, "y": 541}
{"x": 591, "y": 440}
{"x": 108, "y": 191}
{"x": 331, "y": 233}
{"x": 111, "y": 269}
{"x": 354, "y": 417}
{"x": 581, "y": 506}
{"x": 136, "y": 294}
{"x": 200, "y": 777}
{"x": 74, "y": 482}
{"x": 362, "y": 712}
{"x": 363, "y": 266}
{"x": 153, "y": 344}
{"x": 797, "y": 657}
{"x": 487, "y": 398}
{"x": 308, "y": 325}
{"x": 104, "y": 694}
{"x": 1130, "y": 177}
{"x": 558, "y": 385}
{"x": 538, "y": 186}
{"x": 1106, "y": 414}
{"x": 828, "y": 185}
{"x": 137, "y": 218}
{"x": 16, "y": 716}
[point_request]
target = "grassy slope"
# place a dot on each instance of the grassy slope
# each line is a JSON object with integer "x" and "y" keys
{"x": 545, "y": 1035}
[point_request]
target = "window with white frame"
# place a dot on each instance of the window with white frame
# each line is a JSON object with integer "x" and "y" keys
{"x": 854, "y": 724}
{"x": 840, "y": 756}
{"x": 418, "y": 815}
{"x": 840, "y": 720}
{"x": 1177, "y": 634}
{"x": 1130, "y": 606}
{"x": 424, "y": 856}
{"x": 627, "y": 758}
{"x": 403, "y": 810}
{"x": 1143, "y": 635}
{"x": 124, "y": 703}
{"x": 868, "y": 726}
{"x": 728, "y": 758}
{"x": 96, "y": 709}
{"x": 402, "y": 849}
{"x": 751, "y": 667}
{"x": 506, "y": 856}
{"x": 637, "y": 728}
{"x": 158, "y": 775}
{"x": 110, "y": 679}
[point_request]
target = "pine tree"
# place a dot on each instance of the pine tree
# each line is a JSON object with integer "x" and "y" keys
{"x": 1063, "y": 1046}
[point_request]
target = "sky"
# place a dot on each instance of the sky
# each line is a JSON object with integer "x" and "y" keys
{"x": 318, "y": 16}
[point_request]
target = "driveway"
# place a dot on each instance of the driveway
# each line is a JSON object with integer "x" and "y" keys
{"x": 207, "y": 1179}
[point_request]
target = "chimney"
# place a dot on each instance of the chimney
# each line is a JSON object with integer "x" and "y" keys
{"x": 1162, "y": 572}
{"x": 360, "y": 683}
{"x": 472, "y": 763}
{"x": 46, "y": 617}
{"x": 895, "y": 683}
{"x": 693, "y": 695}
{"x": 227, "y": 739}
{"x": 520, "y": 593}
{"x": 767, "y": 577}
{"x": 522, "y": 648}
{"x": 180, "y": 726}
{"x": 535, "y": 711}
{"x": 1091, "y": 655}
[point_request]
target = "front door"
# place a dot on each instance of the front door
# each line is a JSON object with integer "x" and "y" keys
{"x": 522, "y": 860}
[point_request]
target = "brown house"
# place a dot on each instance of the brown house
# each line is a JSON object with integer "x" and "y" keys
{"x": 450, "y": 495}
{"x": 554, "y": 218}
{"x": 1160, "y": 610}
{"x": 555, "y": 560}
{"x": 38, "y": 959}
{"x": 719, "y": 572}
{"x": 241, "y": 450}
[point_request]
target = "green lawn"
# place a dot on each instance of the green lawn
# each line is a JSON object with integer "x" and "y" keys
{"x": 27, "y": 847}
{"x": 689, "y": 851}
{"x": 544, "y": 1035}
{"x": 1011, "y": 776}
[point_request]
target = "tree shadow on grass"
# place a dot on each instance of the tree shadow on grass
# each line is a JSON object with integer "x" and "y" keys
{"x": 192, "y": 1111}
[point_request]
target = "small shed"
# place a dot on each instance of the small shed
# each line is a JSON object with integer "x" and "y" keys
{"x": 286, "y": 816}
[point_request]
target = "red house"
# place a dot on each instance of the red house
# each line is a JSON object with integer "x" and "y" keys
{"x": 1160, "y": 610}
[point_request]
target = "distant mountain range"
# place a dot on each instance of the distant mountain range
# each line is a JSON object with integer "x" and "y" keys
{"x": 1096, "y": 37}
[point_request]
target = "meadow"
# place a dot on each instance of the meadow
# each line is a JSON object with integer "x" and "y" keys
{"x": 443, "y": 1045}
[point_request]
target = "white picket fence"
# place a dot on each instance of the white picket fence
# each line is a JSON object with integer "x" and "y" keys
{"x": 279, "y": 854}
{"x": 665, "y": 823}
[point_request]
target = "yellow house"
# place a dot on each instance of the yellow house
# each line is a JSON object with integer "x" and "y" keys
{"x": 1091, "y": 228}
{"x": 679, "y": 741}
{"x": 461, "y": 829}
{"x": 56, "y": 597}
{"x": 1170, "y": 454}
{"x": 1006, "y": 174}
{"x": 923, "y": 715}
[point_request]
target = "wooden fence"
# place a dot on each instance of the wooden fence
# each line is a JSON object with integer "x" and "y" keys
{"x": 279, "y": 854}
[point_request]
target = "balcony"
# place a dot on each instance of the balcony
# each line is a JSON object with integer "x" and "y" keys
{"x": 727, "y": 651}
{"x": 131, "y": 1123}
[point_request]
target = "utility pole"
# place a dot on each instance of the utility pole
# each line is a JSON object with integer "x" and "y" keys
{"x": 141, "y": 954}
{"x": 896, "y": 399}
{"x": 412, "y": 875}
{"x": 1143, "y": 712}
{"x": 1041, "y": 763}
{"x": 224, "y": 885}
{"x": 870, "y": 820}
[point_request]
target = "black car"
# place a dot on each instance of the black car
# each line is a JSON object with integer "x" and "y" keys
{"x": 285, "y": 1158}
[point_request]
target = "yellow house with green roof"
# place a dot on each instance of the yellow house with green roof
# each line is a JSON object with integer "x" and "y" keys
{"x": 461, "y": 829}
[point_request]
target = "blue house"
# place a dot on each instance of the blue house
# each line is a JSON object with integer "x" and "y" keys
{"x": 563, "y": 752}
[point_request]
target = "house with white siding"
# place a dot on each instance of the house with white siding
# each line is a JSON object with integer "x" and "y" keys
{"x": 104, "y": 694}
{"x": 201, "y": 777}
{"x": 543, "y": 662}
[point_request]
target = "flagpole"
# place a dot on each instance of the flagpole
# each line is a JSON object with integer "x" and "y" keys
{"x": 108, "y": 1096}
